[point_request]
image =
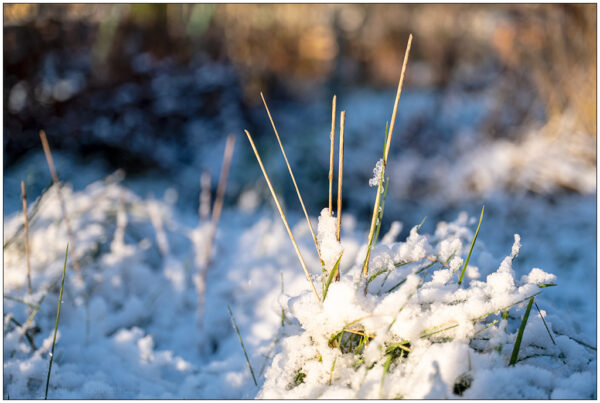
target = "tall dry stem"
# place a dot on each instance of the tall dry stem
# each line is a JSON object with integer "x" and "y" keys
{"x": 56, "y": 182}
{"x": 26, "y": 223}
{"x": 332, "y": 141}
{"x": 340, "y": 175}
{"x": 385, "y": 157}
{"x": 293, "y": 179}
{"x": 282, "y": 214}
{"x": 220, "y": 196}
{"x": 204, "y": 202}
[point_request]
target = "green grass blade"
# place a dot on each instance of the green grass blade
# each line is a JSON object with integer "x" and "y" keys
{"x": 434, "y": 331}
{"x": 376, "y": 274}
{"x": 386, "y": 368}
{"x": 380, "y": 217}
{"x": 472, "y": 245}
{"x": 331, "y": 276}
{"x": 242, "y": 344}
{"x": 376, "y": 206}
{"x": 421, "y": 223}
{"x": 331, "y": 371}
{"x": 515, "y": 353}
{"x": 62, "y": 285}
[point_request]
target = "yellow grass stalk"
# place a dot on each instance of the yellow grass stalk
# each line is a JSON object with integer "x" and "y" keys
{"x": 293, "y": 179}
{"x": 332, "y": 140}
{"x": 385, "y": 157}
{"x": 27, "y": 251}
{"x": 287, "y": 227}
{"x": 50, "y": 161}
{"x": 340, "y": 174}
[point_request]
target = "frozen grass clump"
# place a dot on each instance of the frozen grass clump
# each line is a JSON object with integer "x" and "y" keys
{"x": 416, "y": 319}
{"x": 425, "y": 338}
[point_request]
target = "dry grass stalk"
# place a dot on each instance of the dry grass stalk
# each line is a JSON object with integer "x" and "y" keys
{"x": 287, "y": 227}
{"x": 385, "y": 157}
{"x": 293, "y": 179}
{"x": 27, "y": 250}
{"x": 56, "y": 182}
{"x": 204, "y": 202}
{"x": 332, "y": 141}
{"x": 220, "y": 196}
{"x": 340, "y": 174}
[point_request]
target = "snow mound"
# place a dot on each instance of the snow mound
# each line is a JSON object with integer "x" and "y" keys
{"x": 409, "y": 330}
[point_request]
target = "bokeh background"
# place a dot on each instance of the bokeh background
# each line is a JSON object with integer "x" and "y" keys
{"x": 498, "y": 109}
{"x": 499, "y": 100}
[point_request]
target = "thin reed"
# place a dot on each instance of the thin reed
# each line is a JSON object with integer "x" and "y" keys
{"x": 204, "y": 202}
{"x": 282, "y": 214}
{"x": 385, "y": 158}
{"x": 26, "y": 223}
{"x": 237, "y": 331}
{"x": 544, "y": 321}
{"x": 293, "y": 178}
{"x": 62, "y": 285}
{"x": 63, "y": 208}
{"x": 340, "y": 174}
{"x": 220, "y": 196}
{"x": 472, "y": 245}
{"x": 332, "y": 141}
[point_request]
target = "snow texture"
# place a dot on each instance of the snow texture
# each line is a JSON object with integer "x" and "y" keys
{"x": 132, "y": 328}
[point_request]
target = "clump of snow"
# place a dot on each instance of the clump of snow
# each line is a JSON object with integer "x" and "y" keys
{"x": 374, "y": 181}
{"x": 329, "y": 246}
{"x": 133, "y": 330}
{"x": 452, "y": 334}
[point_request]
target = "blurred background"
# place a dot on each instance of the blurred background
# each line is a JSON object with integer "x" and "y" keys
{"x": 499, "y": 100}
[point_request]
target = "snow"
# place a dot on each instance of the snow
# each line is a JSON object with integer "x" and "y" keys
{"x": 329, "y": 246}
{"x": 374, "y": 181}
{"x": 136, "y": 327}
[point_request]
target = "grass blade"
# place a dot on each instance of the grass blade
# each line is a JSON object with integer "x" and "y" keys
{"x": 20, "y": 301}
{"x": 545, "y": 325}
{"x": 380, "y": 217}
{"x": 332, "y": 141}
{"x": 421, "y": 223}
{"x": 331, "y": 371}
{"x": 332, "y": 274}
{"x": 26, "y": 223}
{"x": 293, "y": 178}
{"x": 515, "y": 353}
{"x": 242, "y": 344}
{"x": 282, "y": 214}
{"x": 61, "y": 200}
{"x": 204, "y": 202}
{"x": 340, "y": 174}
{"x": 62, "y": 285}
{"x": 219, "y": 197}
{"x": 472, "y": 245}
{"x": 388, "y": 142}
{"x": 386, "y": 368}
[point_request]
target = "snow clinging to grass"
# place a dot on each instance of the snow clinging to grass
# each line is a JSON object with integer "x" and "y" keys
{"x": 374, "y": 181}
{"x": 326, "y": 238}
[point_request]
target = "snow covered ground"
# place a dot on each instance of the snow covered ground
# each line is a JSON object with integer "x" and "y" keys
{"x": 132, "y": 329}
{"x": 141, "y": 322}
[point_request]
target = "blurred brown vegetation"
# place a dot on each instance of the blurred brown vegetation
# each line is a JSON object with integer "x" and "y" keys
{"x": 526, "y": 54}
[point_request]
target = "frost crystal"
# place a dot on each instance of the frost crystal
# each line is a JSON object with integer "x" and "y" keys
{"x": 374, "y": 181}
